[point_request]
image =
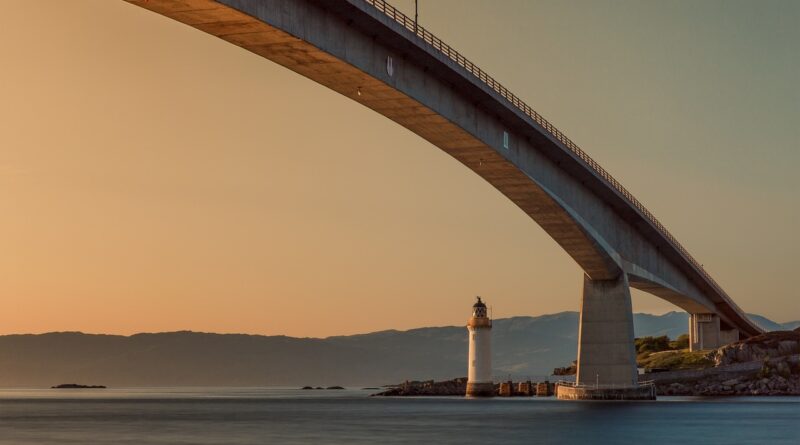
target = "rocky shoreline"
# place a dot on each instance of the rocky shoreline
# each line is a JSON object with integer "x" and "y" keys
{"x": 765, "y": 365}
{"x": 455, "y": 387}
{"x": 458, "y": 387}
{"x": 740, "y": 386}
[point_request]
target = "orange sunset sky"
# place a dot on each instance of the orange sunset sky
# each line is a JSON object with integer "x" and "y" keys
{"x": 155, "y": 178}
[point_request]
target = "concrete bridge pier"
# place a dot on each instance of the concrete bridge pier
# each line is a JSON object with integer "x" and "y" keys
{"x": 706, "y": 332}
{"x": 606, "y": 353}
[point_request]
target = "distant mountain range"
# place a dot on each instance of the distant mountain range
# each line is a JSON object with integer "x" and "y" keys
{"x": 522, "y": 347}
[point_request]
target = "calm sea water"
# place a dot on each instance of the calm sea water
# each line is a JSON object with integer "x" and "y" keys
{"x": 284, "y": 416}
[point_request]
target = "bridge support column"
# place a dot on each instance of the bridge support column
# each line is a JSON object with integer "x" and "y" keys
{"x": 705, "y": 332}
{"x": 606, "y": 353}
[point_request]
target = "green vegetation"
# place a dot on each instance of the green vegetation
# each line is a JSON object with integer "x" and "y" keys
{"x": 682, "y": 342}
{"x": 682, "y": 359}
{"x": 663, "y": 343}
{"x": 651, "y": 344}
{"x": 663, "y": 353}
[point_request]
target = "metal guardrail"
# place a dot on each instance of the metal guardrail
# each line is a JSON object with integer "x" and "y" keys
{"x": 445, "y": 49}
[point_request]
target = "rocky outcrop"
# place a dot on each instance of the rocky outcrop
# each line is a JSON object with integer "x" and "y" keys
{"x": 765, "y": 346}
{"x": 569, "y": 370}
{"x": 455, "y": 387}
{"x": 458, "y": 387}
{"x": 773, "y": 380}
{"x": 764, "y": 365}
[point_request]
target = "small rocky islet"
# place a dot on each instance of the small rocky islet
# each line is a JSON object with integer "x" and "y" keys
{"x": 77, "y": 386}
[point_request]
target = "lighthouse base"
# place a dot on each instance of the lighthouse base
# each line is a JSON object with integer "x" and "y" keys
{"x": 639, "y": 392}
{"x": 476, "y": 389}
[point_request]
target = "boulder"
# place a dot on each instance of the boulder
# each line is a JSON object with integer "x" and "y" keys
{"x": 768, "y": 345}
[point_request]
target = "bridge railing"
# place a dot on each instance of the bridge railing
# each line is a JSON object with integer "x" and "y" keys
{"x": 452, "y": 54}
{"x": 572, "y": 384}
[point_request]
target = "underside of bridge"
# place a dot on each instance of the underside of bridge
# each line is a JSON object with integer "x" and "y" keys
{"x": 372, "y": 54}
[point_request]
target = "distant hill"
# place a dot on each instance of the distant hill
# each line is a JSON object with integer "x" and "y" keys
{"x": 770, "y": 325}
{"x": 522, "y": 347}
{"x": 792, "y": 325}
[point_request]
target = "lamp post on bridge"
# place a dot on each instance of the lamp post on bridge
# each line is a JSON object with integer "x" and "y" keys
{"x": 416, "y": 15}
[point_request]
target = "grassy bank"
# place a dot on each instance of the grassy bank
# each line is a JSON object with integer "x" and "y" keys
{"x": 681, "y": 359}
{"x": 666, "y": 354}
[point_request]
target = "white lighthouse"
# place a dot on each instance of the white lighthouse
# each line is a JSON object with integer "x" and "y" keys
{"x": 479, "y": 377}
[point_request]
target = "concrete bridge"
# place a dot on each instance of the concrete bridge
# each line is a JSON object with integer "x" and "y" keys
{"x": 371, "y": 53}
